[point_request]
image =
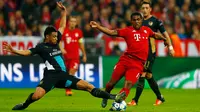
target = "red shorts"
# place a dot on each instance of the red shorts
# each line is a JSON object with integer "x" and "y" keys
{"x": 130, "y": 67}
{"x": 72, "y": 63}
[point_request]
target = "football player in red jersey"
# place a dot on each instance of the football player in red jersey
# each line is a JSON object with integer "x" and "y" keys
{"x": 131, "y": 63}
{"x": 155, "y": 25}
{"x": 73, "y": 40}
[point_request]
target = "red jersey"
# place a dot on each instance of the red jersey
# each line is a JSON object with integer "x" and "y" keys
{"x": 71, "y": 43}
{"x": 137, "y": 41}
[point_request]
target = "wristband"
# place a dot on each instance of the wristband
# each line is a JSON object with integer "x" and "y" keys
{"x": 171, "y": 48}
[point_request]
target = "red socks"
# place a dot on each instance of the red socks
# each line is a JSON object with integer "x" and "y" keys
{"x": 126, "y": 90}
{"x": 68, "y": 89}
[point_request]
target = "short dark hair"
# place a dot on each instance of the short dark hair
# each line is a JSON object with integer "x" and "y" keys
{"x": 136, "y": 14}
{"x": 145, "y": 2}
{"x": 49, "y": 30}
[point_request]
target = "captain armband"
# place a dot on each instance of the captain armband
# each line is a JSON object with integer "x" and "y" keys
{"x": 81, "y": 40}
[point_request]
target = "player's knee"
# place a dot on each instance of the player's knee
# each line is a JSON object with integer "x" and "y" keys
{"x": 128, "y": 84}
{"x": 148, "y": 75}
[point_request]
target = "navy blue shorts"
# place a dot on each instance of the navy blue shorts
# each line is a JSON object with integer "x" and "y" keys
{"x": 58, "y": 79}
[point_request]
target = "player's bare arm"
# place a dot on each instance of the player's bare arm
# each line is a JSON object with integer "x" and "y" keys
{"x": 9, "y": 48}
{"x": 82, "y": 47}
{"x": 63, "y": 17}
{"x": 170, "y": 47}
{"x": 105, "y": 30}
{"x": 159, "y": 36}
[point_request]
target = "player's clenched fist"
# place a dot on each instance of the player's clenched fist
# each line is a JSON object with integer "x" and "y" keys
{"x": 94, "y": 24}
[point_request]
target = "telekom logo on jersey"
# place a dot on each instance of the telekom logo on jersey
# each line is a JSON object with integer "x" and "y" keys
{"x": 138, "y": 37}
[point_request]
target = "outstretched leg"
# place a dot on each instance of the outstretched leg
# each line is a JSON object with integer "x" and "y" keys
{"x": 129, "y": 82}
{"x": 96, "y": 92}
{"x": 39, "y": 93}
{"x": 45, "y": 85}
{"x": 75, "y": 83}
{"x": 131, "y": 78}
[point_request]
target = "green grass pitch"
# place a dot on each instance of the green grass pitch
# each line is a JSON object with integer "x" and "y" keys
{"x": 177, "y": 100}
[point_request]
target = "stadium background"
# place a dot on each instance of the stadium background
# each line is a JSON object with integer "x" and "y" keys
{"x": 23, "y": 21}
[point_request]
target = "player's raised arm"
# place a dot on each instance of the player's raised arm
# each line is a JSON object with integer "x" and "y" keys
{"x": 105, "y": 30}
{"x": 63, "y": 17}
{"x": 9, "y": 48}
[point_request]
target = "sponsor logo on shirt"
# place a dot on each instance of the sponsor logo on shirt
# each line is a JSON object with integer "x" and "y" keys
{"x": 55, "y": 49}
{"x": 137, "y": 37}
{"x": 55, "y": 53}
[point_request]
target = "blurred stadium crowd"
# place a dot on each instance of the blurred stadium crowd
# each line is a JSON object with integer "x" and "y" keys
{"x": 28, "y": 17}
